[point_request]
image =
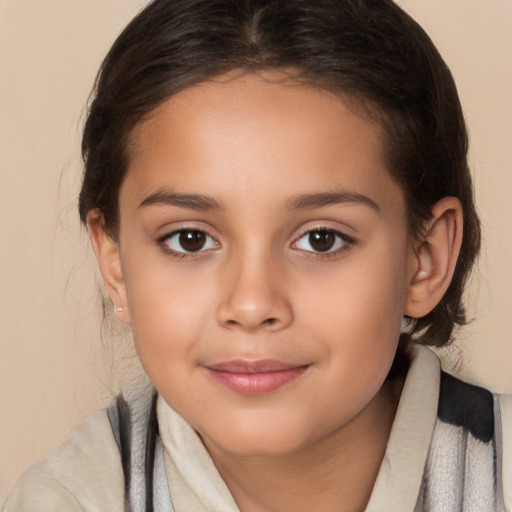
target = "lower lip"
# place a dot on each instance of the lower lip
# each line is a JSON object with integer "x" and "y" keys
{"x": 256, "y": 383}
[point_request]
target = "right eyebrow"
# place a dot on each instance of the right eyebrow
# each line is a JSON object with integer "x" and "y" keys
{"x": 197, "y": 202}
{"x": 317, "y": 200}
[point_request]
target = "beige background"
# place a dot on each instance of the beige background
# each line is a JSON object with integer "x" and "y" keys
{"x": 54, "y": 368}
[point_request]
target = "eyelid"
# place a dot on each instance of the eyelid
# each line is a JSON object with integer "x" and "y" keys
{"x": 163, "y": 242}
{"x": 213, "y": 241}
{"x": 164, "y": 231}
{"x": 347, "y": 240}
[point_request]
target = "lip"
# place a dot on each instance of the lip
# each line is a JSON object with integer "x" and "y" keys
{"x": 256, "y": 377}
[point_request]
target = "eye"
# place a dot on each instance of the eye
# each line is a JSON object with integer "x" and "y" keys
{"x": 322, "y": 241}
{"x": 188, "y": 241}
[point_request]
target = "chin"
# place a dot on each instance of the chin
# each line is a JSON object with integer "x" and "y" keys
{"x": 267, "y": 441}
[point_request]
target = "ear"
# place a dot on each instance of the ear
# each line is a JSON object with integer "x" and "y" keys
{"x": 434, "y": 257}
{"x": 109, "y": 260}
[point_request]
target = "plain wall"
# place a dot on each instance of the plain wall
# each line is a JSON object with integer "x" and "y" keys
{"x": 54, "y": 367}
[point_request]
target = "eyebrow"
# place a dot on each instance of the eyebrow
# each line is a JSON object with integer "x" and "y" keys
{"x": 317, "y": 200}
{"x": 202, "y": 202}
{"x": 197, "y": 202}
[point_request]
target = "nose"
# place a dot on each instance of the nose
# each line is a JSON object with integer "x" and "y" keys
{"x": 254, "y": 297}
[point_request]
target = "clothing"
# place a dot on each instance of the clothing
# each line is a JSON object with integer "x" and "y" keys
{"x": 445, "y": 453}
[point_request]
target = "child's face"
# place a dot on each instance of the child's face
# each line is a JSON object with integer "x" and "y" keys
{"x": 265, "y": 262}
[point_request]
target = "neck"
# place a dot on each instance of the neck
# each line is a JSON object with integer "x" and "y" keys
{"x": 335, "y": 473}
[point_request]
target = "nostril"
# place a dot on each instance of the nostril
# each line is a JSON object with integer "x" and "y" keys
{"x": 268, "y": 322}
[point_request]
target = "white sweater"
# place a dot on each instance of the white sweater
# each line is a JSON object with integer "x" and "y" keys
{"x": 448, "y": 454}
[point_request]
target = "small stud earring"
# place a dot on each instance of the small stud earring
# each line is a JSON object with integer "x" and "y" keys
{"x": 119, "y": 309}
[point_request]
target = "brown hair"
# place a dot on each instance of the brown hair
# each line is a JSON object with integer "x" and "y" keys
{"x": 368, "y": 50}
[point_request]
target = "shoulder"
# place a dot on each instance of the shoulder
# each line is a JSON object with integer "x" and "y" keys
{"x": 467, "y": 406}
{"x": 465, "y": 457}
{"x": 505, "y": 404}
{"x": 83, "y": 474}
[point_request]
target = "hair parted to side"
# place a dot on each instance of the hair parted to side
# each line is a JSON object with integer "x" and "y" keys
{"x": 369, "y": 51}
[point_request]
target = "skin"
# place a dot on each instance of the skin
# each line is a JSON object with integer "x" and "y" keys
{"x": 261, "y": 150}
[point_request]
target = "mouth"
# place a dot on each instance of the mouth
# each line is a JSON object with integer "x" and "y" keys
{"x": 254, "y": 377}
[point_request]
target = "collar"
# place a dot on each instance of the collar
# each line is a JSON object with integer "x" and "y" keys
{"x": 195, "y": 483}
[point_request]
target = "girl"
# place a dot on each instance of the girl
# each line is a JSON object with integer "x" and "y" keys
{"x": 278, "y": 196}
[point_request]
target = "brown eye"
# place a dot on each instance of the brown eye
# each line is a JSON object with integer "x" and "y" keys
{"x": 192, "y": 241}
{"x": 322, "y": 241}
{"x": 189, "y": 240}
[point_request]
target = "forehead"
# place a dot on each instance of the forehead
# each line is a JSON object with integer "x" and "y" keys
{"x": 237, "y": 134}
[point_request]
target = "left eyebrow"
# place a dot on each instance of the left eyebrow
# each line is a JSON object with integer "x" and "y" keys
{"x": 197, "y": 202}
{"x": 317, "y": 200}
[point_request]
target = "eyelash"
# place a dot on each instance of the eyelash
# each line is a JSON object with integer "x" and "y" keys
{"x": 164, "y": 243}
{"x": 340, "y": 238}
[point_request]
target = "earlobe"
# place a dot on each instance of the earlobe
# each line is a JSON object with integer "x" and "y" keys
{"x": 434, "y": 257}
{"x": 109, "y": 261}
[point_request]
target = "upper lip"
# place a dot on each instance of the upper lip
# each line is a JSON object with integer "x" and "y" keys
{"x": 252, "y": 366}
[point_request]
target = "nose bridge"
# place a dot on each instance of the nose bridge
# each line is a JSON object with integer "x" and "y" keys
{"x": 254, "y": 293}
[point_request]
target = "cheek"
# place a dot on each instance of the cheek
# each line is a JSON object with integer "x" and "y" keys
{"x": 364, "y": 299}
{"x": 358, "y": 312}
{"x": 169, "y": 311}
